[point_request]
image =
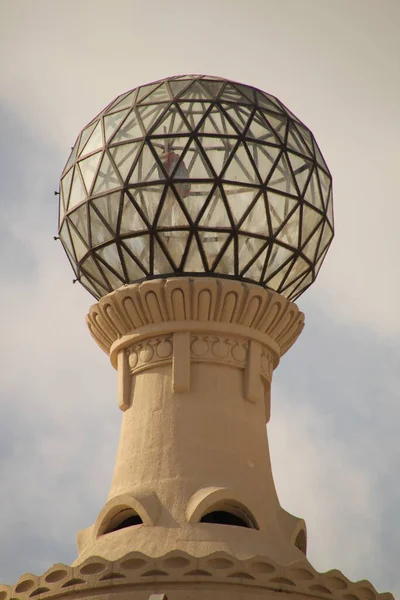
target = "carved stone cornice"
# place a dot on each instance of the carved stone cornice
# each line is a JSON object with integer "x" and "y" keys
{"x": 203, "y": 304}
{"x": 97, "y": 577}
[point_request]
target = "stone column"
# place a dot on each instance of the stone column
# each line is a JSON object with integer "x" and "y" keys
{"x": 195, "y": 358}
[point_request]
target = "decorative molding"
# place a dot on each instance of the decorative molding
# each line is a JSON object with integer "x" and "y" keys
{"x": 97, "y": 576}
{"x": 208, "y": 348}
{"x": 210, "y": 302}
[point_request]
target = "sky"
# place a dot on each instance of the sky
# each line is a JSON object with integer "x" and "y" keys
{"x": 335, "y": 398}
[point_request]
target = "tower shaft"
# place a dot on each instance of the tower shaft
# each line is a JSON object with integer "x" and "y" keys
{"x": 195, "y": 359}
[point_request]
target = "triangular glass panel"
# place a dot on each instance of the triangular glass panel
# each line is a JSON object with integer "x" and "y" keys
{"x": 139, "y": 247}
{"x": 129, "y": 130}
{"x": 71, "y": 158}
{"x": 326, "y": 184}
{"x": 66, "y": 186}
{"x": 319, "y": 157}
{"x": 100, "y": 233}
{"x": 95, "y": 141}
{"x": 326, "y": 238}
{"x": 88, "y": 284}
{"x": 171, "y": 214}
{"x": 108, "y": 208}
{"x": 78, "y": 192}
{"x": 295, "y": 142}
{"x": 174, "y": 243}
{"x": 194, "y": 112}
{"x": 260, "y": 130}
{"x": 131, "y": 221}
{"x": 239, "y": 199}
{"x": 232, "y": 94}
{"x": 277, "y": 122}
{"x": 112, "y": 122}
{"x": 111, "y": 258}
{"x": 218, "y": 151}
{"x": 226, "y": 261}
{"x": 148, "y": 200}
{"x": 88, "y": 167}
{"x": 66, "y": 241}
{"x": 293, "y": 290}
{"x": 91, "y": 269}
{"x": 195, "y": 162}
{"x": 107, "y": 177}
{"x": 80, "y": 221}
{"x": 290, "y": 232}
{"x": 126, "y": 101}
{"x": 281, "y": 178}
{"x": 306, "y": 137}
{"x": 212, "y": 243}
{"x": 264, "y": 101}
{"x": 310, "y": 221}
{"x": 215, "y": 214}
{"x": 246, "y": 91}
{"x": 177, "y": 86}
{"x": 248, "y": 247}
{"x": 193, "y": 261}
{"x": 256, "y": 269}
{"x": 133, "y": 271}
{"x": 147, "y": 167}
{"x": 79, "y": 247}
{"x": 301, "y": 169}
{"x": 145, "y": 90}
{"x": 279, "y": 207}
{"x": 320, "y": 261}
{"x": 61, "y": 208}
{"x": 170, "y": 123}
{"x": 150, "y": 113}
{"x": 300, "y": 268}
{"x": 310, "y": 247}
{"x": 280, "y": 262}
{"x": 312, "y": 194}
{"x": 239, "y": 115}
{"x": 264, "y": 157}
{"x": 196, "y": 92}
{"x": 212, "y": 87}
{"x": 216, "y": 123}
{"x": 160, "y": 94}
{"x": 329, "y": 213}
{"x": 256, "y": 220}
{"x": 162, "y": 263}
{"x": 112, "y": 279}
{"x": 194, "y": 202}
{"x": 241, "y": 168}
{"x": 86, "y": 133}
{"x": 124, "y": 157}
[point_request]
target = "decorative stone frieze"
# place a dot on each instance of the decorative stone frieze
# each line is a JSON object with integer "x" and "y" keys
{"x": 97, "y": 577}
{"x": 194, "y": 304}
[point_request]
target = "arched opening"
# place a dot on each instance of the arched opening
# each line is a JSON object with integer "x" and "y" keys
{"x": 223, "y": 517}
{"x": 124, "y": 518}
{"x": 301, "y": 541}
{"x": 229, "y": 514}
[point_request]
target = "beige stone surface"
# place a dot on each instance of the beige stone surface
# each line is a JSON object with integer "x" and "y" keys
{"x": 195, "y": 359}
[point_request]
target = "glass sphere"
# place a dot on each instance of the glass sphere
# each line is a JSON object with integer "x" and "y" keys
{"x": 196, "y": 175}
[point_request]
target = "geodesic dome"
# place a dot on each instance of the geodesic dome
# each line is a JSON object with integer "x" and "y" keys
{"x": 196, "y": 175}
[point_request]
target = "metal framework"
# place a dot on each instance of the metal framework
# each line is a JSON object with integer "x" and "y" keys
{"x": 196, "y": 175}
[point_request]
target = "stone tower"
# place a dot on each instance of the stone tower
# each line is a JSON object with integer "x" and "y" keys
{"x": 195, "y": 210}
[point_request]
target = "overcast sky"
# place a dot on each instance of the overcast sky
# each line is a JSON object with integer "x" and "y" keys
{"x": 335, "y": 411}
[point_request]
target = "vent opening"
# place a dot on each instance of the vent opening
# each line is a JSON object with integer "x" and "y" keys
{"x": 223, "y": 517}
{"x": 301, "y": 541}
{"x": 229, "y": 514}
{"x": 124, "y": 518}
